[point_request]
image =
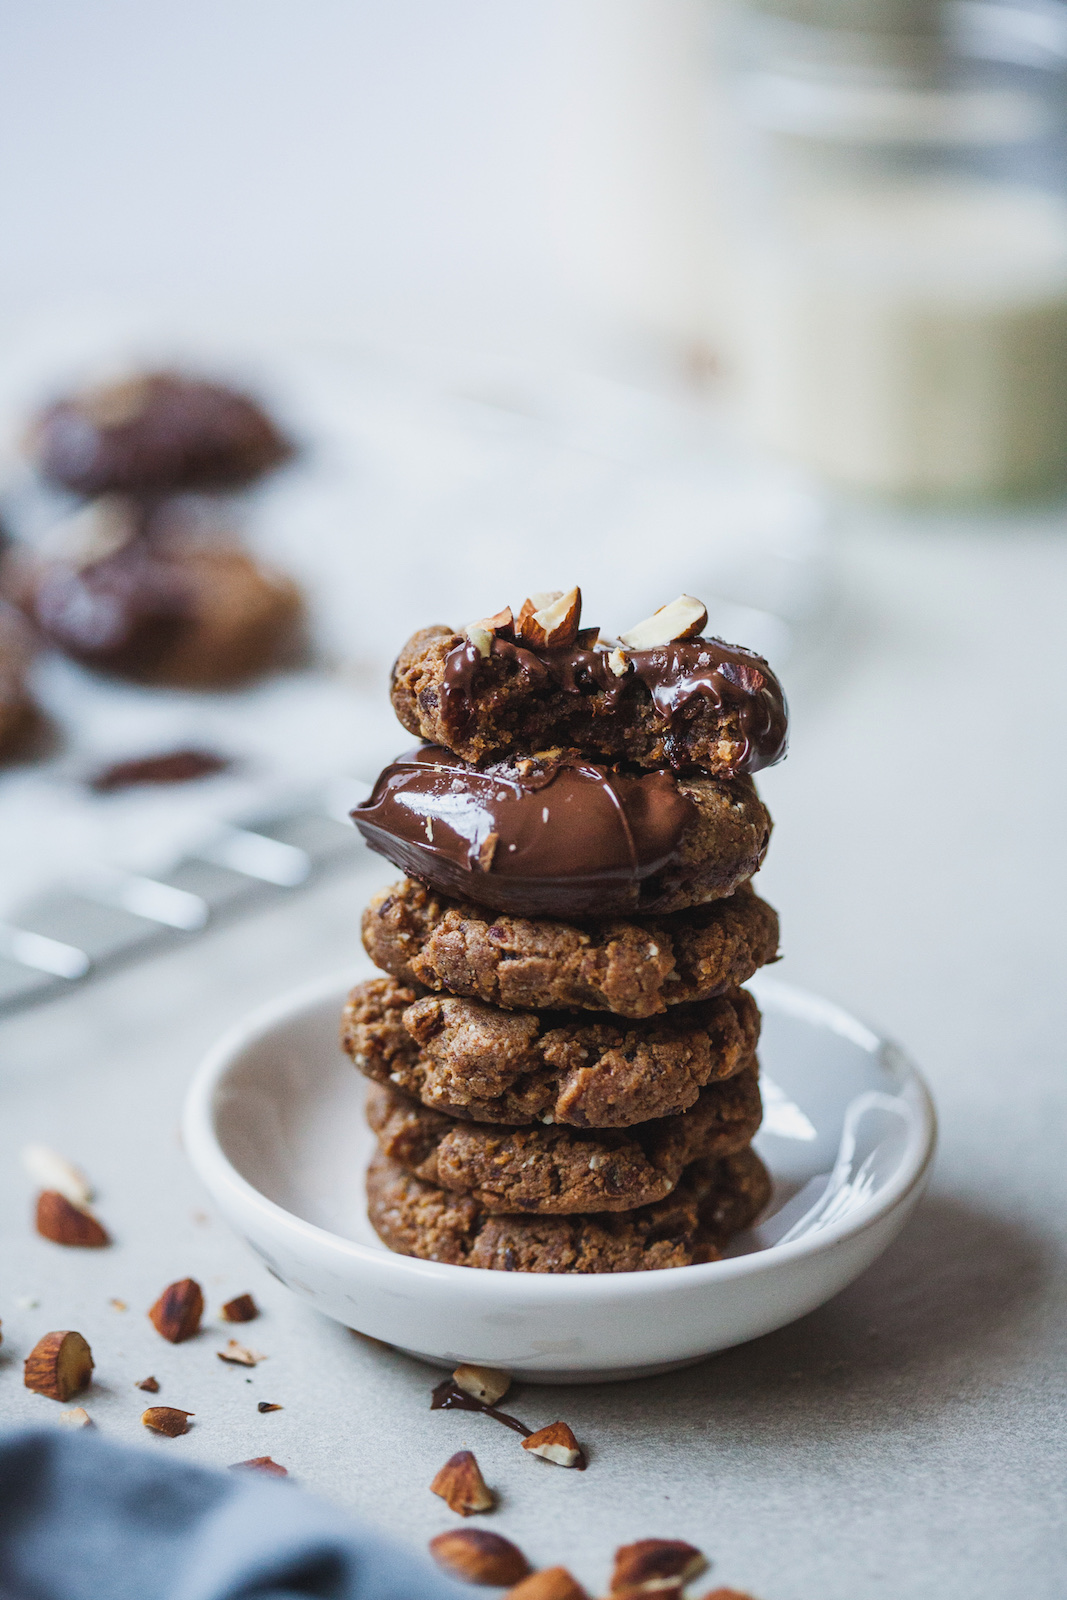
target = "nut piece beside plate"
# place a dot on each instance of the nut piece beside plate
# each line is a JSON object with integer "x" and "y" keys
{"x": 461, "y": 1485}
{"x": 480, "y": 1557}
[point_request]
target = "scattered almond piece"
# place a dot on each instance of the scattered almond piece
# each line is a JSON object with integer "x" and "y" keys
{"x": 727, "y": 1594}
{"x": 682, "y": 619}
{"x": 240, "y": 1354}
{"x": 165, "y": 1419}
{"x": 552, "y": 625}
{"x": 262, "y": 1464}
{"x": 63, "y": 1223}
{"x": 241, "y": 1309}
{"x": 480, "y": 1557}
{"x": 551, "y": 1583}
{"x": 176, "y": 1314}
{"x": 78, "y": 1418}
{"x": 461, "y": 1485}
{"x": 59, "y": 1365}
{"x": 487, "y": 1384}
{"x": 268, "y": 1405}
{"x": 151, "y": 1385}
{"x": 118, "y": 1305}
{"x": 651, "y": 1563}
{"x": 53, "y": 1171}
{"x": 555, "y": 1443}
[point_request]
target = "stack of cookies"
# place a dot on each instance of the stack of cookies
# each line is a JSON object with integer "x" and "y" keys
{"x": 564, "y": 1062}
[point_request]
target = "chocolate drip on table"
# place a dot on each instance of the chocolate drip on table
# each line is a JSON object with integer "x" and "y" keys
{"x": 730, "y": 677}
{"x": 448, "y": 1396}
{"x": 563, "y": 837}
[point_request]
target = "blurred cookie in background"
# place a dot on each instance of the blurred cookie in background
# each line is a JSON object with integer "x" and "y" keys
{"x": 156, "y": 433}
{"x": 19, "y": 719}
{"x": 180, "y": 607}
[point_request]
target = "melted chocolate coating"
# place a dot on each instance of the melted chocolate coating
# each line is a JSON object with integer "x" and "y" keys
{"x": 675, "y": 675}
{"x": 113, "y": 609}
{"x": 561, "y": 838}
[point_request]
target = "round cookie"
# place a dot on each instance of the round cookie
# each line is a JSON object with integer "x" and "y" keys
{"x": 479, "y": 1064}
{"x": 692, "y": 703}
{"x": 634, "y": 968}
{"x": 561, "y": 1171}
{"x": 179, "y": 612}
{"x": 155, "y": 434}
{"x": 560, "y": 836}
{"x": 713, "y": 1201}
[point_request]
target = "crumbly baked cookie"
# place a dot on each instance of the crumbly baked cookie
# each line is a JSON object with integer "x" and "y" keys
{"x": 713, "y": 1201}
{"x": 691, "y": 703}
{"x": 561, "y": 1171}
{"x": 157, "y": 433}
{"x": 479, "y": 1064}
{"x": 185, "y": 613}
{"x": 635, "y": 968}
{"x": 560, "y": 836}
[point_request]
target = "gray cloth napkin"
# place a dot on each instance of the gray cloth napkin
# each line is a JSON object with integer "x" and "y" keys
{"x": 84, "y": 1519}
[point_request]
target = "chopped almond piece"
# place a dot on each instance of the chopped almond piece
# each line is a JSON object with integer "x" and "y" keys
{"x": 682, "y": 619}
{"x": 63, "y": 1223}
{"x": 242, "y": 1308}
{"x": 167, "y": 1419}
{"x": 480, "y": 1557}
{"x": 551, "y": 1583}
{"x": 555, "y": 1443}
{"x": 59, "y": 1365}
{"x": 461, "y": 1485}
{"x": 176, "y": 1314}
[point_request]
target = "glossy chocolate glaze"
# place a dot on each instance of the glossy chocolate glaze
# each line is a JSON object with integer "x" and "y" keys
{"x": 675, "y": 675}
{"x": 115, "y": 607}
{"x": 541, "y": 837}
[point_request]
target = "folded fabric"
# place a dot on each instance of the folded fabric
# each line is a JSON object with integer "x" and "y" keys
{"x": 84, "y": 1519}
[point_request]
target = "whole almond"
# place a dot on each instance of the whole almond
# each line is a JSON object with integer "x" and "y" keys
{"x": 480, "y": 1557}
{"x": 59, "y": 1365}
{"x": 177, "y": 1312}
{"x": 551, "y": 1583}
{"x": 58, "y": 1220}
{"x": 461, "y": 1485}
{"x": 166, "y": 1419}
{"x": 556, "y": 1443}
{"x": 652, "y": 1562}
{"x": 241, "y": 1309}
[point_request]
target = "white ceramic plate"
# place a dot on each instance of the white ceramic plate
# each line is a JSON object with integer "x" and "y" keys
{"x": 274, "y": 1127}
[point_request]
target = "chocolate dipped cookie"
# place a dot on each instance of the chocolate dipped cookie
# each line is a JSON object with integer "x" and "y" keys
{"x": 635, "y": 968}
{"x": 177, "y": 611}
{"x": 557, "y": 835}
{"x": 560, "y": 1171}
{"x": 712, "y": 1201}
{"x": 480, "y": 1064}
{"x": 663, "y": 696}
{"x": 17, "y": 710}
{"x": 158, "y": 433}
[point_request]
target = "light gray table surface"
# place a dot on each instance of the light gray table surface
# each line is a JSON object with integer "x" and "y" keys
{"x": 905, "y": 1440}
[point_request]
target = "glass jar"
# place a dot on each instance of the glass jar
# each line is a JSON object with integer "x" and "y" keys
{"x": 900, "y": 217}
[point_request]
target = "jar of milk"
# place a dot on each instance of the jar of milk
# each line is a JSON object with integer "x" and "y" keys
{"x": 901, "y": 200}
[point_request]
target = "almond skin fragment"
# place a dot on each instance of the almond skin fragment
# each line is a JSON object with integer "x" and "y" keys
{"x": 262, "y": 1464}
{"x": 268, "y": 1405}
{"x": 487, "y": 1384}
{"x": 240, "y": 1309}
{"x": 654, "y": 1562}
{"x": 165, "y": 1419}
{"x": 461, "y": 1485}
{"x": 59, "y": 1365}
{"x": 176, "y": 1314}
{"x": 555, "y": 1443}
{"x": 480, "y": 1557}
{"x": 551, "y": 1583}
{"x": 682, "y": 619}
{"x": 240, "y": 1354}
{"x": 151, "y": 1385}
{"x": 58, "y": 1220}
